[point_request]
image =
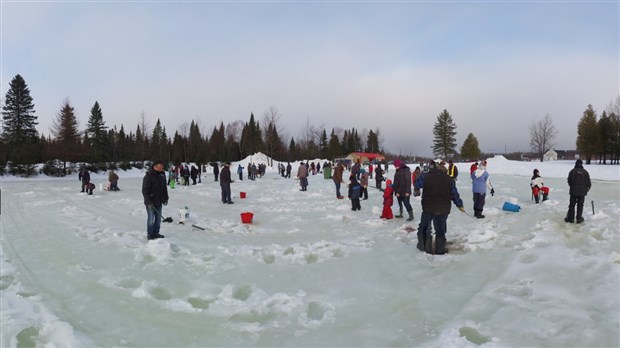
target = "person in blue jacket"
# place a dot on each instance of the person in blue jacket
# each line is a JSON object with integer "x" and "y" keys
{"x": 480, "y": 182}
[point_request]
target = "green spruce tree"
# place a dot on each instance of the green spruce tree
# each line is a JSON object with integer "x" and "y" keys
{"x": 444, "y": 132}
{"x": 588, "y": 134}
{"x": 470, "y": 149}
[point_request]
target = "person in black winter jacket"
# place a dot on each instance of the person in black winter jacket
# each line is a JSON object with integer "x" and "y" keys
{"x": 438, "y": 190}
{"x": 579, "y": 183}
{"x": 216, "y": 170}
{"x": 402, "y": 188}
{"x": 194, "y": 174}
{"x": 225, "y": 181}
{"x": 84, "y": 177}
{"x": 155, "y": 193}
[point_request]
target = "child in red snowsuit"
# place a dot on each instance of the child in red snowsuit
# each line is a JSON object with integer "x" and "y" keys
{"x": 388, "y": 200}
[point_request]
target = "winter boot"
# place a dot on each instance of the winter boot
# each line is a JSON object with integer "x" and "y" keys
{"x": 399, "y": 215}
{"x": 579, "y": 220}
{"x": 479, "y": 214}
{"x": 440, "y": 246}
{"x": 545, "y": 197}
{"x": 421, "y": 243}
{"x": 536, "y": 198}
{"x": 410, "y": 218}
{"x": 428, "y": 243}
{"x": 567, "y": 219}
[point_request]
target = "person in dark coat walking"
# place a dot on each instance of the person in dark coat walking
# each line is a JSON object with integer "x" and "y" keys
{"x": 225, "y": 180}
{"x": 337, "y": 177}
{"x": 579, "y": 183}
{"x": 155, "y": 193}
{"x": 378, "y": 176}
{"x": 402, "y": 188}
{"x": 288, "y": 169}
{"x": 438, "y": 190}
{"x": 194, "y": 174}
{"x": 84, "y": 177}
{"x": 216, "y": 170}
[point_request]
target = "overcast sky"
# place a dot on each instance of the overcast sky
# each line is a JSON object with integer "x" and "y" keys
{"x": 495, "y": 66}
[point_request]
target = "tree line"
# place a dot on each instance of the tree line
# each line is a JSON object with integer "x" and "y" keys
{"x": 106, "y": 147}
{"x": 103, "y": 147}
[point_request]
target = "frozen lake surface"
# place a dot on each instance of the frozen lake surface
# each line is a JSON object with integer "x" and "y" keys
{"x": 77, "y": 270}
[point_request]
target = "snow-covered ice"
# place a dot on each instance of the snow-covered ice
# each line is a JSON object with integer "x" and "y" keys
{"x": 77, "y": 270}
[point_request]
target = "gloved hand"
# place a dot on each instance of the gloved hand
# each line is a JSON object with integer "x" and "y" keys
{"x": 462, "y": 209}
{"x": 165, "y": 202}
{"x": 492, "y": 191}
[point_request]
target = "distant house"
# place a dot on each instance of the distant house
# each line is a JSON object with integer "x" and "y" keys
{"x": 554, "y": 155}
{"x": 550, "y": 155}
{"x": 365, "y": 157}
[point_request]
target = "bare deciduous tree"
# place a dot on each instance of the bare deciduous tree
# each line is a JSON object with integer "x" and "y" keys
{"x": 542, "y": 133}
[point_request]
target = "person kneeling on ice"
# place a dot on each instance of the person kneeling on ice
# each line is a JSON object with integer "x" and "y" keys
{"x": 388, "y": 200}
{"x": 355, "y": 191}
{"x": 538, "y": 186}
{"x": 155, "y": 193}
{"x": 438, "y": 189}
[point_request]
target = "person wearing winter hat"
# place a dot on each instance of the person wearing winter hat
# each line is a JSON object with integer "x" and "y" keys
{"x": 337, "y": 177}
{"x": 155, "y": 194}
{"x": 388, "y": 200}
{"x": 538, "y": 186}
{"x": 355, "y": 190}
{"x": 579, "y": 183}
{"x": 225, "y": 180}
{"x": 364, "y": 183}
{"x": 438, "y": 189}
{"x": 480, "y": 182}
{"x": 402, "y": 188}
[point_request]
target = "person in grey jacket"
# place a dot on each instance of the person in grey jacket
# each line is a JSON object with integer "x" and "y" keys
{"x": 579, "y": 183}
{"x": 225, "y": 180}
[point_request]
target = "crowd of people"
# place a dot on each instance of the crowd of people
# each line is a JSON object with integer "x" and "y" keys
{"x": 434, "y": 181}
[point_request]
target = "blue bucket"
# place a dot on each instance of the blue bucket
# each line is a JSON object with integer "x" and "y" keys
{"x": 511, "y": 207}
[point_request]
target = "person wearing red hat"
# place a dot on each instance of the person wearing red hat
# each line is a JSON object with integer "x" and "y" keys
{"x": 388, "y": 200}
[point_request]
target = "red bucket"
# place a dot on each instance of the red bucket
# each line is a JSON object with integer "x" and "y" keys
{"x": 246, "y": 218}
{"x": 242, "y": 194}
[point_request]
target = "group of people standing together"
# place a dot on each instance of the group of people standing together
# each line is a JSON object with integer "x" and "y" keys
{"x": 436, "y": 182}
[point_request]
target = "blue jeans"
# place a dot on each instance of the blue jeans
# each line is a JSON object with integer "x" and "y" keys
{"x": 406, "y": 201}
{"x": 225, "y": 192}
{"x": 153, "y": 220}
{"x": 439, "y": 221}
{"x": 337, "y": 189}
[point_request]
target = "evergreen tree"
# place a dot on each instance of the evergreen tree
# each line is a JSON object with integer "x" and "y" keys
{"x": 588, "y": 134}
{"x": 97, "y": 135}
{"x": 19, "y": 133}
{"x": 293, "y": 152}
{"x": 323, "y": 144}
{"x": 333, "y": 148}
{"x": 67, "y": 135}
{"x": 372, "y": 142}
{"x": 606, "y": 129}
{"x": 178, "y": 148}
{"x": 470, "y": 149}
{"x": 444, "y": 143}
{"x": 157, "y": 141}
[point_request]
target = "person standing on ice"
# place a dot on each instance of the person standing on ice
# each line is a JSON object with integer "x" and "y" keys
{"x": 480, "y": 181}
{"x": 355, "y": 191}
{"x": 155, "y": 193}
{"x": 538, "y": 186}
{"x": 216, "y": 170}
{"x": 579, "y": 183}
{"x": 302, "y": 174}
{"x": 453, "y": 171}
{"x": 240, "y": 172}
{"x": 194, "y": 174}
{"x": 402, "y": 188}
{"x": 84, "y": 177}
{"x": 438, "y": 189}
{"x": 364, "y": 183}
{"x": 378, "y": 176}
{"x": 337, "y": 177}
{"x": 288, "y": 169}
{"x": 225, "y": 180}
{"x": 388, "y": 200}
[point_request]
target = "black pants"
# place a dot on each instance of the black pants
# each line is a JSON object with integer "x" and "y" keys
{"x": 578, "y": 200}
{"x": 479, "y": 199}
{"x": 355, "y": 204}
{"x": 225, "y": 192}
{"x": 365, "y": 192}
